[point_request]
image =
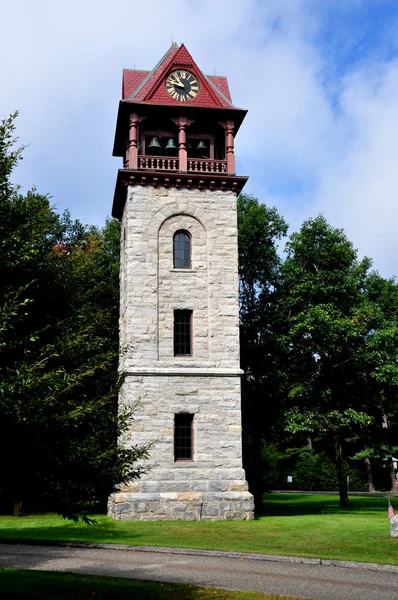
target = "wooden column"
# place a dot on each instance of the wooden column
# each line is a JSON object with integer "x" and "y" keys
{"x": 229, "y": 146}
{"x": 126, "y": 156}
{"x": 211, "y": 149}
{"x": 182, "y": 144}
{"x": 132, "y": 150}
{"x": 182, "y": 124}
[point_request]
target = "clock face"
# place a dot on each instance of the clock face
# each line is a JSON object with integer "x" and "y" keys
{"x": 182, "y": 85}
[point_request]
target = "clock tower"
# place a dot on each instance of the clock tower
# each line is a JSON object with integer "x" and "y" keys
{"x": 179, "y": 318}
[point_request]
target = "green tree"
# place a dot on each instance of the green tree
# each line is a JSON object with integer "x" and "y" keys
{"x": 379, "y": 367}
{"x": 262, "y": 325}
{"x": 323, "y": 283}
{"x": 59, "y": 426}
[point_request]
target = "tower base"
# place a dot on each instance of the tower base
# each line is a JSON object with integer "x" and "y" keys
{"x": 183, "y": 506}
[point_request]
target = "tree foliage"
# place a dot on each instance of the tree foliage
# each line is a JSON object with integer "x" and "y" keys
{"x": 262, "y": 330}
{"x": 323, "y": 281}
{"x": 319, "y": 340}
{"x": 58, "y": 353}
{"x": 319, "y": 344}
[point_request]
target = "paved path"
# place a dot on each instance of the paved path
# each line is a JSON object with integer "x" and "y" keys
{"x": 336, "y": 493}
{"x": 290, "y": 579}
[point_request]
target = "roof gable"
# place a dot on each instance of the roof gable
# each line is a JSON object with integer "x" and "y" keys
{"x": 149, "y": 87}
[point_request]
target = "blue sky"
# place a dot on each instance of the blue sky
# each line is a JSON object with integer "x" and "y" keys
{"x": 319, "y": 78}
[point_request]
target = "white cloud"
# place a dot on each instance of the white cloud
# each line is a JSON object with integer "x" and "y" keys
{"x": 313, "y": 140}
{"x": 360, "y": 191}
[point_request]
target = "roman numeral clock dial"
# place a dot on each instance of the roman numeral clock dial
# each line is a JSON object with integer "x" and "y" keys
{"x": 182, "y": 85}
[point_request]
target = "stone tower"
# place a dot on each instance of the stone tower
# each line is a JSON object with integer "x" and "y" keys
{"x": 179, "y": 329}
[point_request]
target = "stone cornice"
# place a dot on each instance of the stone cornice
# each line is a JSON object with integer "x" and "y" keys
{"x": 192, "y": 372}
{"x": 171, "y": 179}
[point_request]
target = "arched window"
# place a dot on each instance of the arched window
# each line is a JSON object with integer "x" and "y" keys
{"x": 182, "y": 250}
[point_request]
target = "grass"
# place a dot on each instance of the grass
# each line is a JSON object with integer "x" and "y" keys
{"x": 293, "y": 524}
{"x": 39, "y": 585}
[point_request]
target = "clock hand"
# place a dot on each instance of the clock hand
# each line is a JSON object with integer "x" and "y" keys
{"x": 178, "y": 82}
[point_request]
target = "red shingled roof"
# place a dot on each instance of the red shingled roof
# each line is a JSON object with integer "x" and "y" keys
{"x": 222, "y": 84}
{"x": 148, "y": 86}
{"x": 131, "y": 80}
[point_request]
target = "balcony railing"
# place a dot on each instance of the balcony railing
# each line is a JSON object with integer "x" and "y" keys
{"x": 207, "y": 166}
{"x": 158, "y": 163}
{"x": 164, "y": 163}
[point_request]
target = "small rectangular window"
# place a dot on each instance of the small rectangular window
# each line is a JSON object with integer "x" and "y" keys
{"x": 183, "y": 437}
{"x": 182, "y": 332}
{"x": 182, "y": 250}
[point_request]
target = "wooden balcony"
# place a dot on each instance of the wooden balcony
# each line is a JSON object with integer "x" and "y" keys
{"x": 158, "y": 163}
{"x": 195, "y": 165}
{"x": 198, "y": 165}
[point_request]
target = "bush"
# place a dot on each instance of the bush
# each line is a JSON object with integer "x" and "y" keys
{"x": 310, "y": 471}
{"x": 318, "y": 472}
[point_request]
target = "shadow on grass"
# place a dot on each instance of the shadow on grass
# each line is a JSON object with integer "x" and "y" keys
{"x": 24, "y": 585}
{"x": 47, "y": 529}
{"x": 288, "y": 505}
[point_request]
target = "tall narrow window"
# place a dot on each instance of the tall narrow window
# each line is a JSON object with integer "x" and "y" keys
{"x": 183, "y": 437}
{"x": 182, "y": 332}
{"x": 182, "y": 250}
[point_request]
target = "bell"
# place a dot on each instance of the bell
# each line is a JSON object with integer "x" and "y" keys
{"x": 154, "y": 143}
{"x": 189, "y": 145}
{"x": 171, "y": 144}
{"x": 201, "y": 146}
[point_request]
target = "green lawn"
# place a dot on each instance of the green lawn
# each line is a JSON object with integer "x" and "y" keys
{"x": 37, "y": 585}
{"x": 293, "y": 524}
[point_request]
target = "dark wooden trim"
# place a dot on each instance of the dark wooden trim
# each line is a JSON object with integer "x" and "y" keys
{"x": 188, "y": 233}
{"x": 192, "y": 415}
{"x": 190, "y": 312}
{"x": 171, "y": 179}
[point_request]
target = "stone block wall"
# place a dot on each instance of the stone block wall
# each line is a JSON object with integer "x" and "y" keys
{"x": 184, "y": 506}
{"x": 151, "y": 288}
{"x": 159, "y": 385}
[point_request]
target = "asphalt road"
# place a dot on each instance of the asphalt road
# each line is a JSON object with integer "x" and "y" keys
{"x": 303, "y": 580}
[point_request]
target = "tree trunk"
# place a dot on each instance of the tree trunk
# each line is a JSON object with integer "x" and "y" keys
{"x": 18, "y": 512}
{"x": 369, "y": 475}
{"x": 394, "y": 487}
{"x": 309, "y": 441}
{"x": 341, "y": 477}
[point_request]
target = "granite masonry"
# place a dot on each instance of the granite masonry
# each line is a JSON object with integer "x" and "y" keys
{"x": 159, "y": 385}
